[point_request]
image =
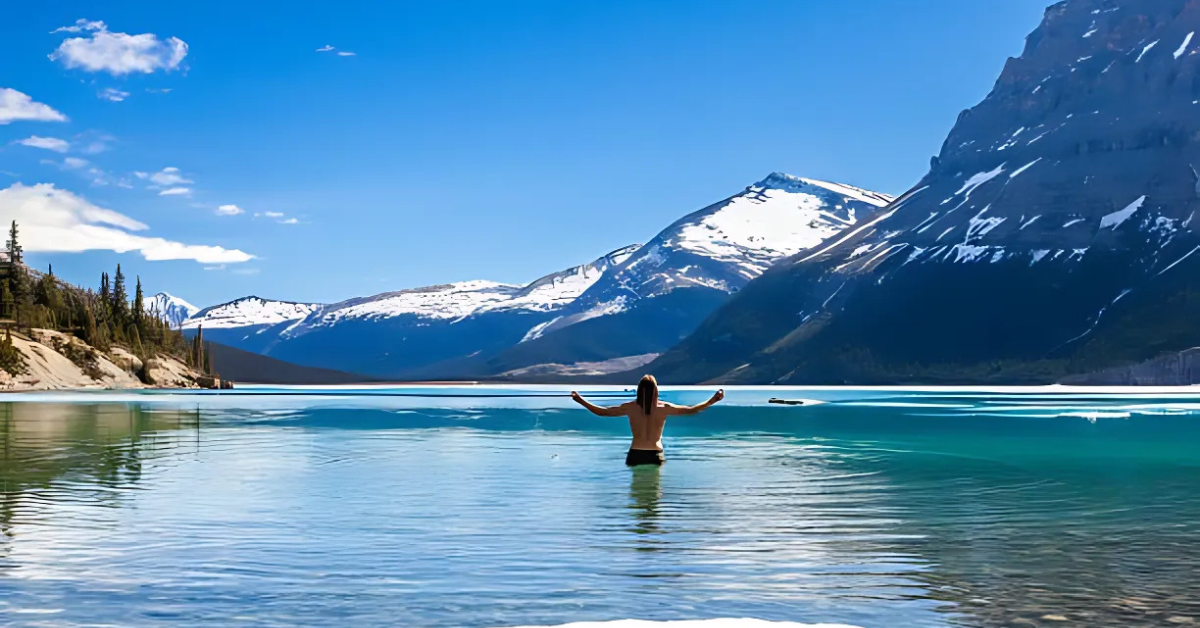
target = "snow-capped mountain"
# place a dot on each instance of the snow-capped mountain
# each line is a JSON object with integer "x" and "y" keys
{"x": 169, "y": 308}
{"x": 251, "y": 323}
{"x": 1053, "y": 235}
{"x": 249, "y": 312}
{"x": 396, "y": 334}
{"x": 725, "y": 245}
{"x": 622, "y": 309}
{"x": 666, "y": 288}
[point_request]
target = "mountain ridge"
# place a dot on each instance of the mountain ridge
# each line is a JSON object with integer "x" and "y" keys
{"x": 1048, "y": 236}
{"x": 466, "y": 329}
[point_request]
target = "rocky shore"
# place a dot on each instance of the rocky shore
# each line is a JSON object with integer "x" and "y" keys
{"x": 54, "y": 360}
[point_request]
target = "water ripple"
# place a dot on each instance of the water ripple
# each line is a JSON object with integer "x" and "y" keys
{"x": 902, "y": 509}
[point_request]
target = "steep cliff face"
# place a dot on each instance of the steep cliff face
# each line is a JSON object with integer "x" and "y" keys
{"x": 1054, "y": 233}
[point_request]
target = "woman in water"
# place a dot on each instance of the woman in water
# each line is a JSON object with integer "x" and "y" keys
{"x": 647, "y": 418}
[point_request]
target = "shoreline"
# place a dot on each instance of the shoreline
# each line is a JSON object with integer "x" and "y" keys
{"x": 55, "y": 361}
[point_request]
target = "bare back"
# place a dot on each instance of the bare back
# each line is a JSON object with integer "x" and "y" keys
{"x": 647, "y": 429}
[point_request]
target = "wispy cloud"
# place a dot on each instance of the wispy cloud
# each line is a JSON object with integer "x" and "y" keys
{"x": 93, "y": 142}
{"x": 16, "y": 105}
{"x": 56, "y": 220}
{"x": 177, "y": 191}
{"x": 85, "y": 169}
{"x": 112, "y": 94}
{"x": 79, "y": 26}
{"x": 340, "y": 53}
{"x": 278, "y": 217}
{"x": 45, "y": 143}
{"x": 229, "y": 210}
{"x": 167, "y": 177}
{"x": 117, "y": 53}
{"x": 159, "y": 90}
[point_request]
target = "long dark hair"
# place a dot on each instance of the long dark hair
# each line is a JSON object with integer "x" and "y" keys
{"x": 647, "y": 393}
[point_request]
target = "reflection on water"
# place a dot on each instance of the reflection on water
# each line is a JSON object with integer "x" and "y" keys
{"x": 927, "y": 511}
{"x": 645, "y": 492}
{"x": 51, "y": 453}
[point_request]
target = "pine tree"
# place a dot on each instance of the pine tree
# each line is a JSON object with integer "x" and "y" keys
{"x": 6, "y": 300}
{"x": 208, "y": 367}
{"x": 14, "y": 246}
{"x": 22, "y": 295}
{"x": 120, "y": 301}
{"x": 104, "y": 298}
{"x": 135, "y": 341}
{"x": 198, "y": 349}
{"x": 91, "y": 334}
{"x": 139, "y": 308}
{"x": 11, "y": 359}
{"x": 47, "y": 293}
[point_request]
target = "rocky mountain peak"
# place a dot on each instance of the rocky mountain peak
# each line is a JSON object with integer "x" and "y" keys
{"x": 1053, "y": 233}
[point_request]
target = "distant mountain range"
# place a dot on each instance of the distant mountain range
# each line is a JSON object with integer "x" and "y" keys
{"x": 1053, "y": 236}
{"x": 1053, "y": 239}
{"x": 615, "y": 313}
{"x": 170, "y": 308}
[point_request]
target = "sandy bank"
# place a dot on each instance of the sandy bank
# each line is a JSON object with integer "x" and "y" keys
{"x": 54, "y": 360}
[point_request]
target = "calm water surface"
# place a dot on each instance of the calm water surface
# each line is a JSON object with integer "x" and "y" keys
{"x": 357, "y": 508}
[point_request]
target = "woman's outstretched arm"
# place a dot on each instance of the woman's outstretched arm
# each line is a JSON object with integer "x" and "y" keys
{"x": 595, "y": 409}
{"x": 679, "y": 410}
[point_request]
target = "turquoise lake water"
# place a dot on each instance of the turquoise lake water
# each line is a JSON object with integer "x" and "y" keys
{"x": 510, "y": 507}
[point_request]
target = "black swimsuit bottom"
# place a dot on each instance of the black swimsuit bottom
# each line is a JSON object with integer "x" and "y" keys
{"x": 639, "y": 457}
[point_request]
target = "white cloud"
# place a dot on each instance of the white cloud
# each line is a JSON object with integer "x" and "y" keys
{"x": 229, "y": 210}
{"x": 16, "y": 105}
{"x": 112, "y": 94}
{"x": 277, "y": 216}
{"x": 79, "y": 26}
{"x": 167, "y": 177}
{"x": 160, "y": 90}
{"x": 118, "y": 53}
{"x": 340, "y": 53}
{"x": 176, "y": 192}
{"x": 45, "y": 143}
{"x": 74, "y": 163}
{"x": 54, "y": 220}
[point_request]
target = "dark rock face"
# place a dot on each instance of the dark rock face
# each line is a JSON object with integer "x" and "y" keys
{"x": 1053, "y": 235}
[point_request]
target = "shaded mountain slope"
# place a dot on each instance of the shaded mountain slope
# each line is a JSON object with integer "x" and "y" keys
{"x": 1053, "y": 234}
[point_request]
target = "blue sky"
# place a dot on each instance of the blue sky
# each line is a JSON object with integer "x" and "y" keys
{"x": 460, "y": 140}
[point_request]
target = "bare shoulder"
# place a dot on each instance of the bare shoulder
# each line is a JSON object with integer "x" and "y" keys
{"x": 671, "y": 408}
